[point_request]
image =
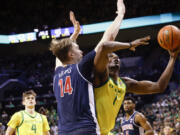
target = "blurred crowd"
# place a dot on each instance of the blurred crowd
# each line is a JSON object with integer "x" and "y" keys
{"x": 24, "y": 16}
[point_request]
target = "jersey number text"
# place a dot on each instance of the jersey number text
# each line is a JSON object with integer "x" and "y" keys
{"x": 67, "y": 88}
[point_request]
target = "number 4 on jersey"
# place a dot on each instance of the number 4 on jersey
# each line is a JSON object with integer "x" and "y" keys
{"x": 68, "y": 88}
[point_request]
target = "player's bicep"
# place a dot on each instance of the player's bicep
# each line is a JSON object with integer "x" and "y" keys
{"x": 140, "y": 119}
{"x": 46, "y": 133}
{"x": 141, "y": 87}
{"x": 10, "y": 131}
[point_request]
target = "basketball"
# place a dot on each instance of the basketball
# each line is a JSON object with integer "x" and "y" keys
{"x": 169, "y": 37}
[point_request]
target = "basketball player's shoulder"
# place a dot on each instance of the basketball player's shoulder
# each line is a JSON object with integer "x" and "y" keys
{"x": 139, "y": 116}
{"x": 42, "y": 115}
{"x": 19, "y": 113}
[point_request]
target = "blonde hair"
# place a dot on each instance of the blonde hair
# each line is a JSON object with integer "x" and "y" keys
{"x": 60, "y": 48}
{"x": 27, "y": 93}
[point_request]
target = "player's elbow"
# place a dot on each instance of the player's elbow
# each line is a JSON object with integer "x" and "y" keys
{"x": 104, "y": 47}
{"x": 157, "y": 88}
{"x": 162, "y": 88}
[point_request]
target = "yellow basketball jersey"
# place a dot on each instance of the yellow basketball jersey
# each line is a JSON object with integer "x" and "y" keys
{"x": 109, "y": 98}
{"x": 27, "y": 124}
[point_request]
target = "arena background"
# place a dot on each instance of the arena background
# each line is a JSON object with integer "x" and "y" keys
{"x": 29, "y": 65}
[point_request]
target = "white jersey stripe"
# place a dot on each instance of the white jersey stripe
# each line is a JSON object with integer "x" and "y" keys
{"x": 82, "y": 75}
{"x": 92, "y": 107}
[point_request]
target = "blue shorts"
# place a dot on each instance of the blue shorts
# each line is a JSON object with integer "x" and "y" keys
{"x": 80, "y": 131}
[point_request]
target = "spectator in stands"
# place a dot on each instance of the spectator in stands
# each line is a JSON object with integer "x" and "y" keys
{"x": 167, "y": 130}
{"x": 2, "y": 129}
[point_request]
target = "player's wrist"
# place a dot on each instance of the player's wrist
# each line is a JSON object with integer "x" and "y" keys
{"x": 130, "y": 45}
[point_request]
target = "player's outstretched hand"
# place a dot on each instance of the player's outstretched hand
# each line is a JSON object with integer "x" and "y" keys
{"x": 138, "y": 42}
{"x": 120, "y": 7}
{"x": 174, "y": 53}
{"x": 76, "y": 24}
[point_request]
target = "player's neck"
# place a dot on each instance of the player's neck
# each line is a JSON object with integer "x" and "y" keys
{"x": 128, "y": 114}
{"x": 114, "y": 75}
{"x": 68, "y": 63}
{"x": 30, "y": 110}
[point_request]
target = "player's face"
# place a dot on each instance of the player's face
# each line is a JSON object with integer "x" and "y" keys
{"x": 128, "y": 106}
{"x": 114, "y": 61}
{"x": 76, "y": 53}
{"x": 29, "y": 101}
{"x": 167, "y": 130}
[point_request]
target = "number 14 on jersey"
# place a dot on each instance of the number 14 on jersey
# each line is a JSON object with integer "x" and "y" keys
{"x": 67, "y": 88}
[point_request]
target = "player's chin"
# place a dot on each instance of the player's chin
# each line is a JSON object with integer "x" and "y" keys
{"x": 116, "y": 66}
{"x": 126, "y": 110}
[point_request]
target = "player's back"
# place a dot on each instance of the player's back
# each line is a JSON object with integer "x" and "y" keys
{"x": 130, "y": 127}
{"x": 74, "y": 94}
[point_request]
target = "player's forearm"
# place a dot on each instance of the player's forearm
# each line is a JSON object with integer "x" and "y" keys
{"x": 112, "y": 46}
{"x": 149, "y": 132}
{"x": 112, "y": 31}
{"x": 75, "y": 35}
{"x": 101, "y": 58}
{"x": 166, "y": 75}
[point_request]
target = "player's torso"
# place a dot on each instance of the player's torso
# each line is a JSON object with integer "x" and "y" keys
{"x": 109, "y": 98}
{"x": 72, "y": 93}
{"x": 30, "y": 125}
{"x": 130, "y": 128}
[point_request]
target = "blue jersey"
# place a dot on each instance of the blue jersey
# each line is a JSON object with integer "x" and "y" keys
{"x": 129, "y": 127}
{"x": 75, "y": 97}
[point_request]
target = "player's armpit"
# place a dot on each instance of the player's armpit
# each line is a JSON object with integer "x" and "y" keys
{"x": 10, "y": 131}
{"x": 141, "y": 87}
{"x": 142, "y": 121}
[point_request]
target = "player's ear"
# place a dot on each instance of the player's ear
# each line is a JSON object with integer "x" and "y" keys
{"x": 70, "y": 54}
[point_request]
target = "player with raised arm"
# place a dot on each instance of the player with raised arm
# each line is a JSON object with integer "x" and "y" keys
{"x": 73, "y": 78}
{"x": 110, "y": 88}
{"x": 28, "y": 121}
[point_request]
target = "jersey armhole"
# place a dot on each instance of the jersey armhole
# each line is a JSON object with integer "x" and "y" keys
{"x": 102, "y": 83}
{"x": 135, "y": 124}
{"x": 82, "y": 75}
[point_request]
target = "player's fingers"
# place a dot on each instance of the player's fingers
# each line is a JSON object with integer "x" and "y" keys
{"x": 145, "y": 43}
{"x": 132, "y": 49}
{"x": 146, "y": 38}
{"x": 72, "y": 16}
